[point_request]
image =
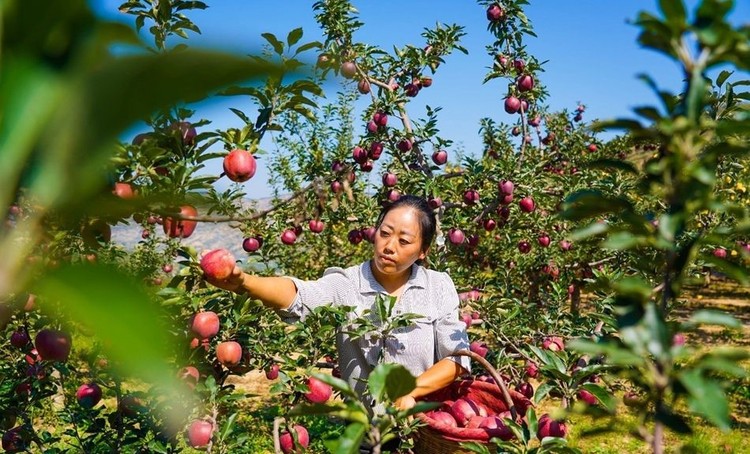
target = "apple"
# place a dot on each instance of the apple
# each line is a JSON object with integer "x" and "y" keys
{"x": 506, "y": 187}
{"x": 368, "y": 233}
{"x": 495, "y": 13}
{"x": 229, "y": 353}
{"x": 443, "y": 417}
{"x": 318, "y": 392}
{"x": 348, "y": 69}
{"x": 366, "y": 166}
{"x": 190, "y": 375}
{"x": 130, "y": 405}
{"x": 525, "y": 83}
{"x": 474, "y": 421}
{"x": 381, "y": 118}
{"x": 435, "y": 202}
{"x": 205, "y": 324}
{"x": 592, "y": 148}
{"x": 251, "y": 244}
{"x": 467, "y": 319}
{"x": 376, "y": 149}
{"x": 543, "y": 240}
{"x": 440, "y": 157}
{"x": 404, "y": 145}
{"x": 355, "y": 236}
{"x": 372, "y": 127}
{"x": 239, "y": 165}
{"x": 316, "y": 225}
{"x": 524, "y": 247}
{"x": 554, "y": 343}
{"x": 363, "y": 86}
{"x": 218, "y": 264}
{"x": 411, "y": 90}
{"x": 532, "y": 370}
{"x": 565, "y": 245}
{"x": 199, "y": 433}
{"x": 124, "y": 190}
{"x": 480, "y": 348}
{"x": 512, "y": 104}
{"x": 496, "y": 427}
{"x": 186, "y": 130}
{"x": 289, "y": 445}
{"x": 471, "y": 197}
{"x": 678, "y": 340}
{"x": 20, "y": 338}
{"x": 587, "y": 397}
{"x": 489, "y": 224}
{"x": 519, "y": 65}
{"x": 393, "y": 195}
{"x": 456, "y": 236}
{"x": 390, "y": 180}
{"x": 535, "y": 122}
{"x": 288, "y": 237}
{"x": 526, "y": 389}
{"x": 52, "y": 345}
{"x": 464, "y": 408}
{"x": 359, "y": 154}
{"x": 578, "y": 117}
{"x": 14, "y": 440}
{"x": 272, "y": 373}
{"x": 527, "y": 204}
{"x": 88, "y": 395}
{"x": 548, "y": 427}
{"x": 323, "y": 60}
{"x": 720, "y": 253}
{"x": 633, "y": 399}
{"x": 426, "y": 81}
{"x": 336, "y": 187}
{"x": 181, "y": 228}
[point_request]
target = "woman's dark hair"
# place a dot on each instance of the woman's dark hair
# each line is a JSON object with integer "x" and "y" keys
{"x": 427, "y": 221}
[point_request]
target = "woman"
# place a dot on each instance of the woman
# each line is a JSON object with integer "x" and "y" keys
{"x": 404, "y": 231}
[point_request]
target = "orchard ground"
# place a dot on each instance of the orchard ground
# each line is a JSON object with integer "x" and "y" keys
{"x": 615, "y": 437}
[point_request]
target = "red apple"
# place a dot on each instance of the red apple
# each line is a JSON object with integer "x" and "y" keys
{"x": 633, "y": 399}
{"x": 359, "y": 154}
{"x": 251, "y": 244}
{"x": 316, "y": 225}
{"x": 88, "y": 395}
{"x": 554, "y": 343}
{"x": 506, "y": 187}
{"x": 440, "y": 157}
{"x": 720, "y": 253}
{"x": 363, "y": 86}
{"x": 526, "y": 389}
{"x": 199, "y": 433}
{"x": 519, "y": 65}
{"x": 404, "y": 145}
{"x": 524, "y": 247}
{"x": 512, "y": 104}
{"x": 218, "y": 264}
{"x": 14, "y": 440}
{"x": 456, "y": 236}
{"x": 489, "y": 224}
{"x": 495, "y": 13}
{"x": 181, "y": 228}
{"x": 411, "y": 89}
{"x": 592, "y": 148}
{"x": 288, "y": 237}
{"x": 435, "y": 202}
{"x": 205, "y": 324}
{"x": 548, "y": 427}
{"x": 565, "y": 245}
{"x": 372, "y": 127}
{"x": 52, "y": 345}
{"x": 366, "y": 166}
{"x": 480, "y": 348}
{"x": 527, "y": 204}
{"x": 496, "y": 427}
{"x": 525, "y": 83}
{"x": 464, "y": 408}
{"x": 381, "y": 118}
{"x": 186, "y": 131}
{"x": 124, "y": 190}
{"x": 544, "y": 240}
{"x": 390, "y": 180}
{"x": 190, "y": 375}
{"x": 426, "y": 81}
{"x": 289, "y": 445}
{"x": 471, "y": 197}
{"x": 20, "y": 338}
{"x": 272, "y": 373}
{"x": 348, "y": 69}
{"x": 587, "y": 397}
{"x": 368, "y": 233}
{"x": 532, "y": 370}
{"x": 229, "y": 353}
{"x": 355, "y": 236}
{"x": 443, "y": 417}
{"x": 317, "y": 391}
{"x": 336, "y": 187}
{"x": 239, "y": 165}
{"x": 376, "y": 149}
{"x": 467, "y": 319}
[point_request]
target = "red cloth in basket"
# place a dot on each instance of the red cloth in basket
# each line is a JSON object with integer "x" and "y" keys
{"x": 484, "y": 393}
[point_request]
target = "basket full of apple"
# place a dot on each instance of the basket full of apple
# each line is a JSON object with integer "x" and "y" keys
{"x": 472, "y": 410}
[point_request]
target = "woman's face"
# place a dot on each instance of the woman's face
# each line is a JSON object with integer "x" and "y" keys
{"x": 398, "y": 241}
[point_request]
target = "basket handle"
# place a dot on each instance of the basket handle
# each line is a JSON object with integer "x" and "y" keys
{"x": 498, "y": 379}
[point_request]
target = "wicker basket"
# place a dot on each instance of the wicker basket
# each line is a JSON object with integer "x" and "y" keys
{"x": 430, "y": 439}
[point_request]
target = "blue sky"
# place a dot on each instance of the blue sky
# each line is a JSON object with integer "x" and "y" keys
{"x": 592, "y": 52}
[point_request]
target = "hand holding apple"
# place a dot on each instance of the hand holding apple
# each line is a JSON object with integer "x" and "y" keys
{"x": 234, "y": 282}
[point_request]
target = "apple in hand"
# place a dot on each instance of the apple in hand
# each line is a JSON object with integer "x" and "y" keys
{"x": 217, "y": 264}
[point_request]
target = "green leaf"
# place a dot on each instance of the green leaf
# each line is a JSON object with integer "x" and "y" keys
{"x": 294, "y": 36}
{"x": 118, "y": 312}
{"x": 393, "y": 380}
{"x": 706, "y": 398}
{"x": 349, "y": 441}
{"x": 696, "y": 94}
{"x": 338, "y": 384}
{"x": 723, "y": 76}
{"x": 621, "y": 241}
{"x": 602, "y": 395}
{"x": 712, "y": 317}
{"x": 674, "y": 11}
{"x": 277, "y": 45}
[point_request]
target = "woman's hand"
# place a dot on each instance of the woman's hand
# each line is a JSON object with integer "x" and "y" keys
{"x": 234, "y": 283}
{"x": 406, "y": 402}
